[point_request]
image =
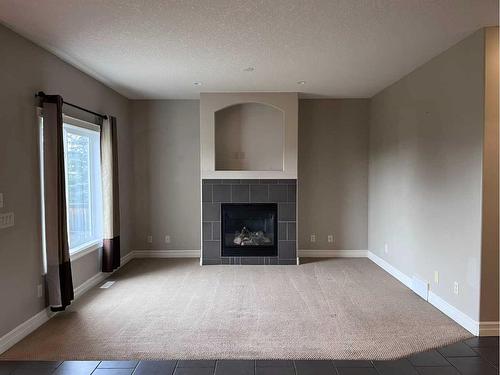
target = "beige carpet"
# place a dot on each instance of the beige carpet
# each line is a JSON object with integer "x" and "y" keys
{"x": 175, "y": 309}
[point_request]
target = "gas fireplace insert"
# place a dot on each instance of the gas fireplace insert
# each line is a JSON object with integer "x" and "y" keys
{"x": 249, "y": 229}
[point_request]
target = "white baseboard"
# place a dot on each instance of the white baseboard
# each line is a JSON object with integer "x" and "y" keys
{"x": 302, "y": 253}
{"x": 126, "y": 258}
{"x": 390, "y": 269}
{"x": 471, "y": 325}
{"x": 166, "y": 253}
{"x": 24, "y": 329}
{"x": 458, "y": 316}
{"x": 333, "y": 253}
{"x": 489, "y": 329}
{"x": 100, "y": 277}
{"x": 90, "y": 283}
{"x": 420, "y": 287}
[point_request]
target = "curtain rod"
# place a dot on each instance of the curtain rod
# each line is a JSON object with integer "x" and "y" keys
{"x": 41, "y": 94}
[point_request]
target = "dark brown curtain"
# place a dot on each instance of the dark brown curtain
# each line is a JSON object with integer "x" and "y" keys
{"x": 59, "y": 280}
{"x": 111, "y": 206}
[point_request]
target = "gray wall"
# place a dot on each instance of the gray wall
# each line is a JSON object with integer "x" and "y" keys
{"x": 24, "y": 69}
{"x": 333, "y": 173}
{"x": 426, "y": 134}
{"x": 167, "y": 174}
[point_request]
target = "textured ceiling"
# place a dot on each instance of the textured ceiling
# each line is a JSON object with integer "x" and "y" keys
{"x": 158, "y": 48}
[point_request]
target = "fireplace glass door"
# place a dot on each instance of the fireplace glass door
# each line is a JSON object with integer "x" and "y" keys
{"x": 249, "y": 229}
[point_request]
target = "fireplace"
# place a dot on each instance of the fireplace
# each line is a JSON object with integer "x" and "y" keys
{"x": 248, "y": 158}
{"x": 249, "y": 221}
{"x": 249, "y": 229}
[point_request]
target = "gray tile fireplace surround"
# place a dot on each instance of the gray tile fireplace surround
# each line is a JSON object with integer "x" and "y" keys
{"x": 216, "y": 192}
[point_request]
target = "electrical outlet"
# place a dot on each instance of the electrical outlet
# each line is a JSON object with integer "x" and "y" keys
{"x": 167, "y": 239}
{"x": 330, "y": 238}
{"x": 436, "y": 277}
{"x": 455, "y": 288}
{"x": 39, "y": 291}
{"x": 150, "y": 239}
{"x": 386, "y": 248}
{"x": 313, "y": 238}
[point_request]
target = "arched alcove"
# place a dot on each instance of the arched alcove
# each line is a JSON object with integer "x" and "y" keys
{"x": 249, "y": 137}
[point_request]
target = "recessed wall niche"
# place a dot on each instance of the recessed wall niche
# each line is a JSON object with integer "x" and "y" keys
{"x": 245, "y": 113}
{"x": 249, "y": 137}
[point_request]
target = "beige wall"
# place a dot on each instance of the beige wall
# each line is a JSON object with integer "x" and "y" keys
{"x": 333, "y": 146}
{"x": 333, "y": 173}
{"x": 489, "y": 262}
{"x": 426, "y": 134}
{"x": 167, "y": 174}
{"x": 210, "y": 103}
{"x": 24, "y": 70}
{"x": 425, "y": 158}
{"x": 249, "y": 136}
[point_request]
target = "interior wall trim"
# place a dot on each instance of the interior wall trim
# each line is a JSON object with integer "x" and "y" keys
{"x": 458, "y": 316}
{"x": 400, "y": 276}
{"x": 24, "y": 329}
{"x": 90, "y": 283}
{"x": 166, "y": 253}
{"x": 333, "y": 253}
{"x": 101, "y": 276}
{"x": 470, "y": 324}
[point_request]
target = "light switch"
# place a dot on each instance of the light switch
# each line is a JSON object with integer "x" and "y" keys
{"x": 6, "y": 220}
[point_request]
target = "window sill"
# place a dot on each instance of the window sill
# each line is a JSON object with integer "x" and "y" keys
{"x": 85, "y": 249}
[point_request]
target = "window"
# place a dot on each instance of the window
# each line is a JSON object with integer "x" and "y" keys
{"x": 83, "y": 186}
{"x": 82, "y": 160}
{"x": 42, "y": 188}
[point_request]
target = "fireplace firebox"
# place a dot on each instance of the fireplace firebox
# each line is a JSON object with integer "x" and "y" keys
{"x": 249, "y": 229}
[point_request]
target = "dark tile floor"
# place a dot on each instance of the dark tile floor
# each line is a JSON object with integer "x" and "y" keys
{"x": 475, "y": 356}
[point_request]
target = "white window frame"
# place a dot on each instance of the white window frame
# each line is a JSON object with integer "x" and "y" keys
{"x": 83, "y": 127}
{"x": 75, "y": 125}
{"x": 39, "y": 119}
